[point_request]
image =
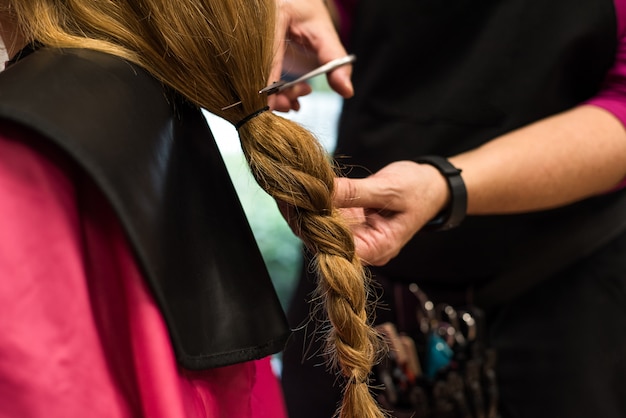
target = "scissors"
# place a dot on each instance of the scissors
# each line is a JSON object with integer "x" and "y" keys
{"x": 281, "y": 85}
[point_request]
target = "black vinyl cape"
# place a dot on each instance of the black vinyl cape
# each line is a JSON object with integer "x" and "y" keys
{"x": 155, "y": 159}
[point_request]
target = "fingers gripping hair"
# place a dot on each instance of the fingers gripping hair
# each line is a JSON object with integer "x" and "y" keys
{"x": 291, "y": 165}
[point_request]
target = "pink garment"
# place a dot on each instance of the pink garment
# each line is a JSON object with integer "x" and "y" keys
{"x": 612, "y": 96}
{"x": 80, "y": 335}
{"x": 345, "y": 10}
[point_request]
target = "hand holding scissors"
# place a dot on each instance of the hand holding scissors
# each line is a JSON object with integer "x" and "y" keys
{"x": 281, "y": 85}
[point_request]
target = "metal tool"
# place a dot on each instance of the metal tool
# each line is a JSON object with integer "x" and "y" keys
{"x": 281, "y": 85}
{"x": 329, "y": 66}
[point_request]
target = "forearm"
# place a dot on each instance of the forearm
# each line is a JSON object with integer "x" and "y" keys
{"x": 553, "y": 162}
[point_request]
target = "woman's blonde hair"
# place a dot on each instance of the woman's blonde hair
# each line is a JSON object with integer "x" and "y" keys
{"x": 216, "y": 53}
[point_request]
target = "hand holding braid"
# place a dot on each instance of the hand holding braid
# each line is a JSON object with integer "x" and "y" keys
{"x": 296, "y": 170}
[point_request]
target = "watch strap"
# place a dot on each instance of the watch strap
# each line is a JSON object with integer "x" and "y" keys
{"x": 456, "y": 211}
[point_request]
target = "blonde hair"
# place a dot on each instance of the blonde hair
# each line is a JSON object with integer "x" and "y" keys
{"x": 216, "y": 53}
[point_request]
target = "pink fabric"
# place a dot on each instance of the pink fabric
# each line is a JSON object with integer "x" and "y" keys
{"x": 345, "y": 9}
{"x": 612, "y": 97}
{"x": 80, "y": 335}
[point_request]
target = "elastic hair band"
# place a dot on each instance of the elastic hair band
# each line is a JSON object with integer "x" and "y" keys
{"x": 250, "y": 116}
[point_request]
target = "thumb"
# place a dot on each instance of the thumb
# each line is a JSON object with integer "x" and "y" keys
{"x": 346, "y": 192}
{"x": 350, "y": 193}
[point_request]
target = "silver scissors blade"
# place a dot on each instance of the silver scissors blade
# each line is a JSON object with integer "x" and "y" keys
{"x": 329, "y": 66}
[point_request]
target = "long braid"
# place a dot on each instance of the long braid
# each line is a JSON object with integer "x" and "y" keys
{"x": 299, "y": 173}
{"x": 216, "y": 53}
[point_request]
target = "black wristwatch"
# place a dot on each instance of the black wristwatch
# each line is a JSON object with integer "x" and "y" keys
{"x": 454, "y": 214}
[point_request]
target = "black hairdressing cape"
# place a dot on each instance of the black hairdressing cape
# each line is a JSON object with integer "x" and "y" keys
{"x": 155, "y": 159}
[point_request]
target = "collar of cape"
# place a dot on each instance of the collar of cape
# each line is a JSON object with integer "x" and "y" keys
{"x": 154, "y": 158}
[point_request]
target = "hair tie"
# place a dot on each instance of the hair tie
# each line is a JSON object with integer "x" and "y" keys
{"x": 250, "y": 116}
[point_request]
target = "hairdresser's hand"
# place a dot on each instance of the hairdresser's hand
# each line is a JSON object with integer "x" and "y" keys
{"x": 387, "y": 208}
{"x": 305, "y": 29}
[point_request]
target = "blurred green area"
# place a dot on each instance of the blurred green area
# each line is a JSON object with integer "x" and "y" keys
{"x": 320, "y": 85}
{"x": 281, "y": 249}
